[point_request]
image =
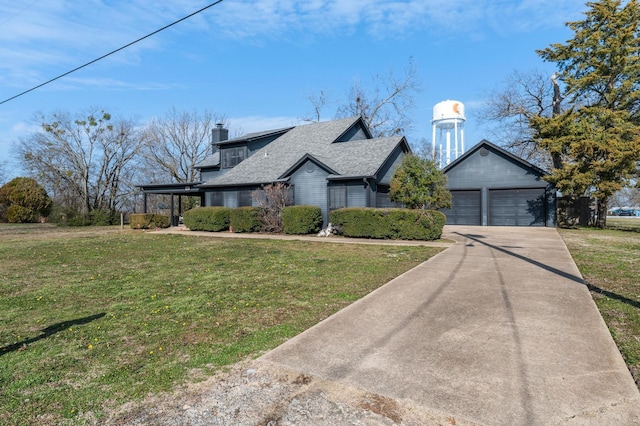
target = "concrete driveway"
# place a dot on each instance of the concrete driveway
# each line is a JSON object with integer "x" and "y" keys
{"x": 498, "y": 329}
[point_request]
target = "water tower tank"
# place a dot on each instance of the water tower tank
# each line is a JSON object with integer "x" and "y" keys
{"x": 448, "y": 116}
{"x": 447, "y": 113}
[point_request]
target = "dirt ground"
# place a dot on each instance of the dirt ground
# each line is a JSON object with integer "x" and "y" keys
{"x": 260, "y": 393}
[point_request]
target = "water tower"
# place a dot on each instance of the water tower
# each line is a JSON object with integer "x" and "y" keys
{"x": 448, "y": 117}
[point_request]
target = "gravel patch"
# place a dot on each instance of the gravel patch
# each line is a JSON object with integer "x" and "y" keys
{"x": 259, "y": 393}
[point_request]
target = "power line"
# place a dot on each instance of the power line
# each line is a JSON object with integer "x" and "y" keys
{"x": 112, "y": 52}
{"x": 18, "y": 13}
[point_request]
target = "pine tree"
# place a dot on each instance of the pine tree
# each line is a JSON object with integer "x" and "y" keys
{"x": 597, "y": 138}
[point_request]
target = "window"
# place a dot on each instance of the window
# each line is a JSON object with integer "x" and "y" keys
{"x": 216, "y": 198}
{"x": 291, "y": 196}
{"x": 382, "y": 198}
{"x": 337, "y": 197}
{"x": 244, "y": 198}
{"x": 231, "y": 157}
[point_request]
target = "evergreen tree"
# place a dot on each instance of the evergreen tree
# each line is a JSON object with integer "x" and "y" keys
{"x": 597, "y": 138}
{"x": 419, "y": 184}
{"x": 23, "y": 200}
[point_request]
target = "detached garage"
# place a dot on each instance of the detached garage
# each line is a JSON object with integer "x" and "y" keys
{"x": 493, "y": 187}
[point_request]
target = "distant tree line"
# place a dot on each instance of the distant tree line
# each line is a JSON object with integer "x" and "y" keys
{"x": 89, "y": 163}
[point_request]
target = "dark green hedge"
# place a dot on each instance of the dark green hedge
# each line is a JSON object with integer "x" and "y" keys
{"x": 403, "y": 224}
{"x": 245, "y": 219}
{"x": 301, "y": 220}
{"x": 212, "y": 219}
{"x": 148, "y": 221}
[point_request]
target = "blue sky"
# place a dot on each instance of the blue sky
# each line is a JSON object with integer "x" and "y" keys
{"x": 257, "y": 61}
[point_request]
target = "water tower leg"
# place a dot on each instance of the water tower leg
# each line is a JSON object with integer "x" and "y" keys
{"x": 455, "y": 137}
{"x": 433, "y": 143}
{"x": 448, "y": 147}
{"x": 462, "y": 140}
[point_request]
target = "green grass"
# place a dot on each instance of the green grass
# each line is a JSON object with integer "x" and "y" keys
{"x": 624, "y": 223}
{"x": 93, "y": 318}
{"x": 609, "y": 261}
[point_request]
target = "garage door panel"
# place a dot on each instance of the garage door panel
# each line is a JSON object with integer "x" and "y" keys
{"x": 465, "y": 209}
{"x": 517, "y": 207}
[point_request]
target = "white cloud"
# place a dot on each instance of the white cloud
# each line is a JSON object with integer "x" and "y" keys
{"x": 55, "y": 36}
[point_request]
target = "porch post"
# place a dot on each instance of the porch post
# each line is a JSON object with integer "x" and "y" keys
{"x": 171, "y": 213}
{"x": 144, "y": 203}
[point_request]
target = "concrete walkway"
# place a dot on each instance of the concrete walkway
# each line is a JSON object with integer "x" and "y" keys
{"x": 181, "y": 230}
{"x": 498, "y": 329}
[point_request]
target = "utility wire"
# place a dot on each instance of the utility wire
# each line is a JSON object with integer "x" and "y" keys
{"x": 112, "y": 52}
{"x": 18, "y": 13}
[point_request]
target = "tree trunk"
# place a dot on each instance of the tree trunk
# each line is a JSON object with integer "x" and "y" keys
{"x": 602, "y": 213}
{"x": 557, "y": 110}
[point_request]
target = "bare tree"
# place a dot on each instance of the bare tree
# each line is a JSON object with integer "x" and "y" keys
{"x": 319, "y": 101}
{"x": 272, "y": 198}
{"x": 81, "y": 159}
{"x": 120, "y": 152}
{"x": 385, "y": 105}
{"x": 626, "y": 197}
{"x": 510, "y": 107}
{"x": 3, "y": 172}
{"x": 175, "y": 143}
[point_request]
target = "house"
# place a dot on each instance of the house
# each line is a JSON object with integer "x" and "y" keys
{"x": 492, "y": 187}
{"x": 330, "y": 164}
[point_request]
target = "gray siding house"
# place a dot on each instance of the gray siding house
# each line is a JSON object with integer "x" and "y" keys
{"x": 492, "y": 187}
{"x": 331, "y": 165}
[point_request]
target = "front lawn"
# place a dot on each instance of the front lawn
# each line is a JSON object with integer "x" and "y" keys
{"x": 90, "y": 322}
{"x": 609, "y": 261}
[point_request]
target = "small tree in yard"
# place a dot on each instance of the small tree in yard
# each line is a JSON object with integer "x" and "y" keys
{"x": 419, "y": 184}
{"x": 272, "y": 198}
{"x": 23, "y": 200}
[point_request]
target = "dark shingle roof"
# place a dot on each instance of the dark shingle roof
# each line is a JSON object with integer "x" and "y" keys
{"x": 276, "y": 160}
{"x": 485, "y": 143}
{"x": 255, "y": 135}
{"x": 212, "y": 160}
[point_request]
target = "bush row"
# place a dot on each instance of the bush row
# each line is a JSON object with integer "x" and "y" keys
{"x": 212, "y": 219}
{"x": 377, "y": 223}
{"x": 148, "y": 221}
{"x": 401, "y": 224}
{"x": 299, "y": 220}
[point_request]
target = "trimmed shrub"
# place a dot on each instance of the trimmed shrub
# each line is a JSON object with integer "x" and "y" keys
{"x": 148, "y": 221}
{"x": 24, "y": 200}
{"x": 245, "y": 219}
{"x": 212, "y": 219}
{"x": 301, "y": 220}
{"x": 404, "y": 224}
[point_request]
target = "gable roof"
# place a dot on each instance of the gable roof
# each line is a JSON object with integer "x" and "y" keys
{"x": 492, "y": 147}
{"x": 212, "y": 160}
{"x": 315, "y": 141}
{"x": 256, "y": 135}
